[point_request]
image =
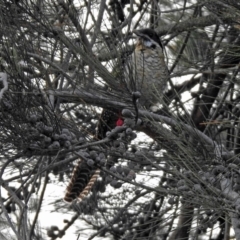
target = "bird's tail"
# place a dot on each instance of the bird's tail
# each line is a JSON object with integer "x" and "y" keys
{"x": 82, "y": 181}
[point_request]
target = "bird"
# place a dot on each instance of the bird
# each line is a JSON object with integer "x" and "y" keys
{"x": 147, "y": 73}
{"x": 150, "y": 73}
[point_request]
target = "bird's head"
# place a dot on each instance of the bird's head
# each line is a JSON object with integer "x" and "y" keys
{"x": 148, "y": 38}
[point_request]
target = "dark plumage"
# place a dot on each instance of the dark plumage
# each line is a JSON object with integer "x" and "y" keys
{"x": 149, "y": 75}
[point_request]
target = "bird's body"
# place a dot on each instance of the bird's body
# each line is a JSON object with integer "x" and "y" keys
{"x": 148, "y": 75}
{"x": 150, "y": 72}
